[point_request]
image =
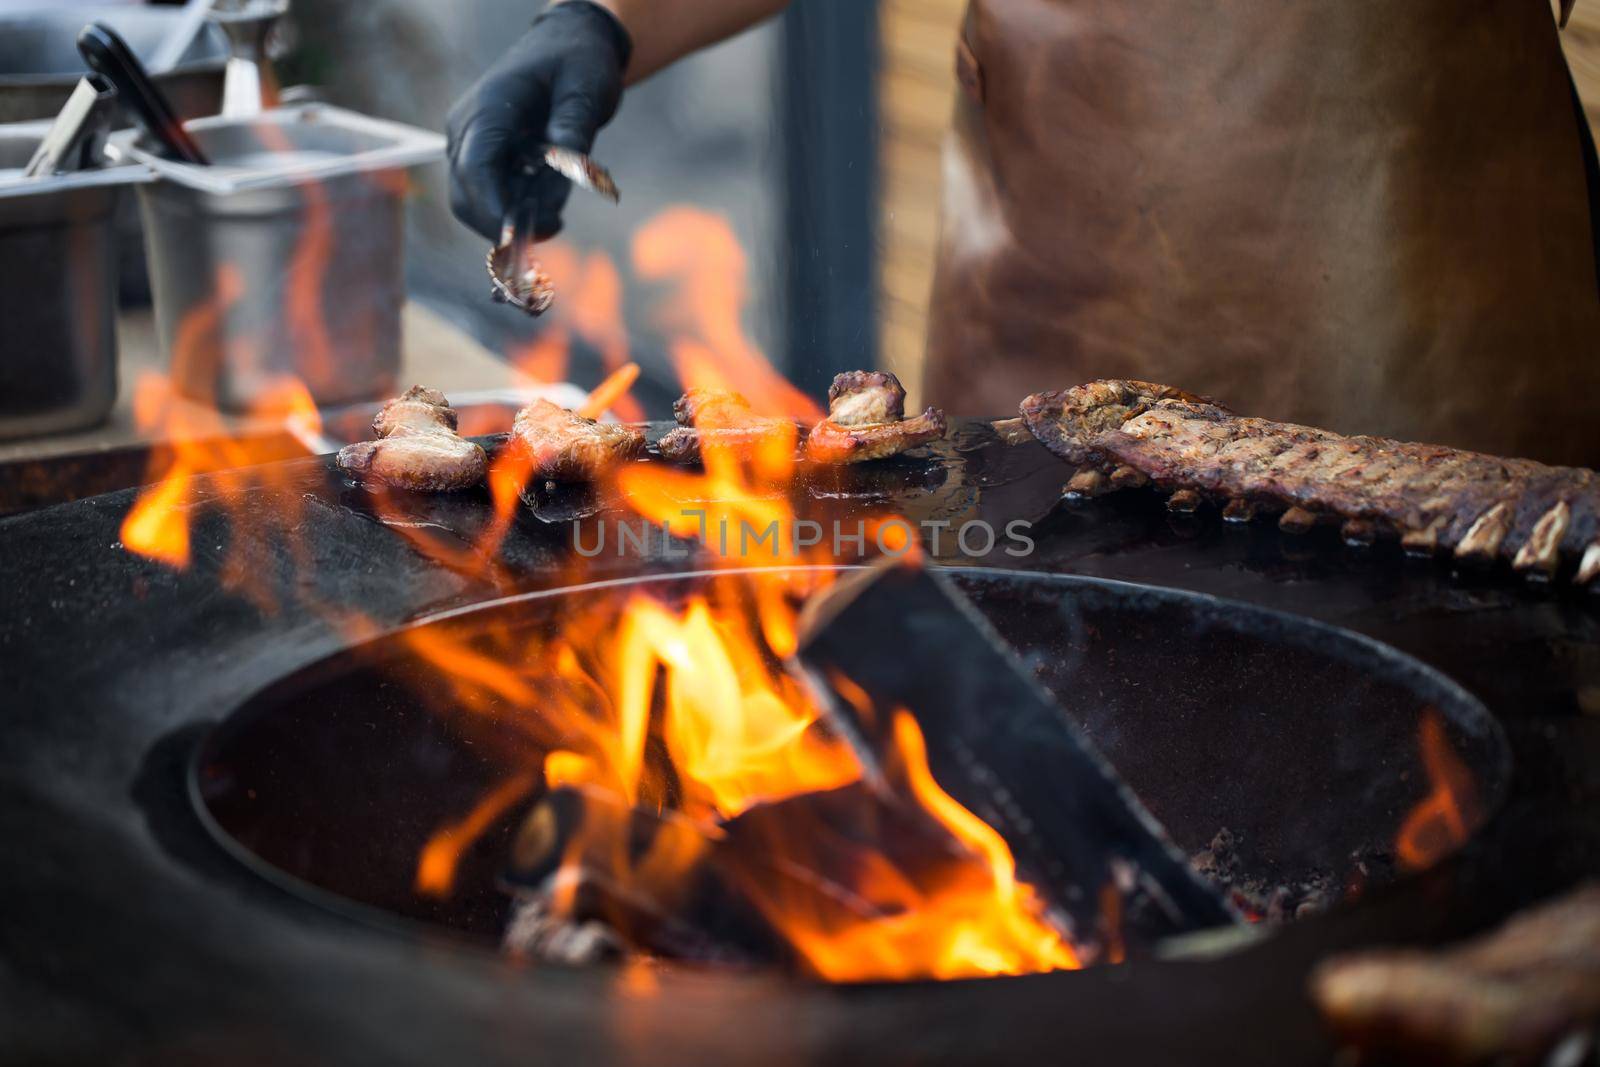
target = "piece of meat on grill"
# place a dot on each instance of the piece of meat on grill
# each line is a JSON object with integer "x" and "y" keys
{"x": 1508, "y": 997}
{"x": 1482, "y": 508}
{"x": 866, "y": 421}
{"x": 563, "y": 446}
{"x": 417, "y": 447}
{"x": 723, "y": 420}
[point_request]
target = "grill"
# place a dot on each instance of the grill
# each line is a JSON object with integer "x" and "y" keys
{"x": 129, "y": 681}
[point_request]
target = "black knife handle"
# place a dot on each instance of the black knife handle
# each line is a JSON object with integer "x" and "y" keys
{"x": 109, "y": 56}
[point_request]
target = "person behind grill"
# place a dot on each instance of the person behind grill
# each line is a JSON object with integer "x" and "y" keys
{"x": 1364, "y": 215}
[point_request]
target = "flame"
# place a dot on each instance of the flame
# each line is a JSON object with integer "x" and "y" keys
{"x": 737, "y": 731}
{"x": 200, "y": 440}
{"x": 979, "y": 926}
{"x": 732, "y": 730}
{"x": 1441, "y": 822}
{"x": 436, "y": 868}
{"x": 678, "y": 706}
{"x": 697, "y": 250}
{"x": 685, "y": 705}
{"x": 157, "y": 527}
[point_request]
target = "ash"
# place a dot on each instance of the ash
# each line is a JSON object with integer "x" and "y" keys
{"x": 1262, "y": 900}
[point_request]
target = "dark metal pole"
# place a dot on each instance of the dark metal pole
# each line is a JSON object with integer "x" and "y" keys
{"x": 828, "y": 101}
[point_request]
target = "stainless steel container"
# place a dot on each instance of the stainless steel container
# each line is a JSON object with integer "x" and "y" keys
{"x": 285, "y": 258}
{"x": 39, "y": 61}
{"x": 58, "y": 287}
{"x": 39, "y": 65}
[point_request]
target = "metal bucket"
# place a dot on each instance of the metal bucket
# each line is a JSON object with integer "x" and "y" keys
{"x": 58, "y": 285}
{"x": 285, "y": 258}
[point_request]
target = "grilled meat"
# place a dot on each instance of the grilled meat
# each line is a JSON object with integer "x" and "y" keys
{"x": 566, "y": 447}
{"x": 866, "y": 398}
{"x": 1507, "y": 997}
{"x": 866, "y": 421}
{"x": 418, "y": 448}
{"x": 719, "y": 419}
{"x": 1482, "y": 508}
{"x": 713, "y": 408}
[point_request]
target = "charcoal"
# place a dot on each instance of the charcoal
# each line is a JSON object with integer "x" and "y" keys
{"x": 589, "y": 848}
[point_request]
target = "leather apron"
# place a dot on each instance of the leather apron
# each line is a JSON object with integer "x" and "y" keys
{"x": 1367, "y": 215}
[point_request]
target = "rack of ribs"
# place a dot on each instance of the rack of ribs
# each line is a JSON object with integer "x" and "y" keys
{"x": 1124, "y": 434}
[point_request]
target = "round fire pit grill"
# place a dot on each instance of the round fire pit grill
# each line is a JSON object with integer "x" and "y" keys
{"x": 132, "y": 935}
{"x": 1298, "y": 739}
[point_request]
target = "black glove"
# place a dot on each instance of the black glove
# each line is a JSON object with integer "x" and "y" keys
{"x": 557, "y": 85}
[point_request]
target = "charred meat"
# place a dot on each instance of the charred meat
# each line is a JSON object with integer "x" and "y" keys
{"x": 719, "y": 419}
{"x": 866, "y": 421}
{"x": 566, "y": 447}
{"x": 417, "y": 447}
{"x": 1481, "y": 508}
{"x": 1509, "y": 997}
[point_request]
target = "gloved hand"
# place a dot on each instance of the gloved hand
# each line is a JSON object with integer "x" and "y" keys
{"x": 557, "y": 85}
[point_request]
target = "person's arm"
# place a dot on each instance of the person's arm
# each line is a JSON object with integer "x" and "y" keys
{"x": 559, "y": 85}
{"x": 664, "y": 31}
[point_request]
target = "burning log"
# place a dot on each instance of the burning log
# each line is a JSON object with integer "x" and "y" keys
{"x": 592, "y": 876}
{"x": 418, "y": 448}
{"x": 1510, "y": 996}
{"x": 1481, "y": 508}
{"x": 903, "y": 638}
{"x": 867, "y": 421}
{"x": 822, "y": 883}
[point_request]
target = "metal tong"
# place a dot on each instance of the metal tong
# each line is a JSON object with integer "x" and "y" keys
{"x": 514, "y": 273}
{"x": 76, "y": 140}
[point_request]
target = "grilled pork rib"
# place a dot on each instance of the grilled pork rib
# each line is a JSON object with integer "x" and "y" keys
{"x": 866, "y": 421}
{"x": 566, "y": 447}
{"x": 719, "y": 419}
{"x": 1126, "y": 433}
{"x": 418, "y": 448}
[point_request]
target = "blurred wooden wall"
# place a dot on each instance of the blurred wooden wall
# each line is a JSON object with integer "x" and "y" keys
{"x": 1581, "y": 39}
{"x": 917, "y": 92}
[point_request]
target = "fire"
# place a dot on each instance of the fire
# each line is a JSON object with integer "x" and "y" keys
{"x": 200, "y": 441}
{"x": 157, "y": 526}
{"x": 698, "y": 252}
{"x": 685, "y": 707}
{"x": 977, "y": 920}
{"x": 436, "y": 869}
{"x": 680, "y": 706}
{"x": 737, "y": 731}
{"x": 1440, "y": 823}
